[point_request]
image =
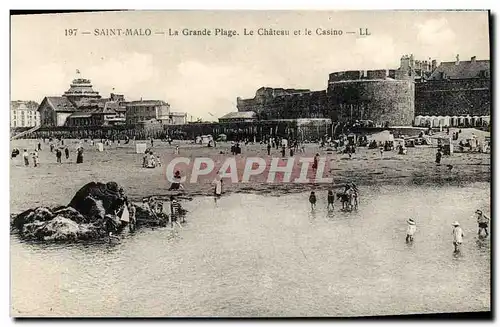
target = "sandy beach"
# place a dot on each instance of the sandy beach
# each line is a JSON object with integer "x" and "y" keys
{"x": 55, "y": 184}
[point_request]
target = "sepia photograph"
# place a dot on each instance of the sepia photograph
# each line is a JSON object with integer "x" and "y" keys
{"x": 250, "y": 164}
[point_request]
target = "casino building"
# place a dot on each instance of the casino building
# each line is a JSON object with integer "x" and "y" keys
{"x": 80, "y": 105}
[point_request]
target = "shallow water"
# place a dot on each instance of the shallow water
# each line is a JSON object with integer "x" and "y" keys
{"x": 253, "y": 255}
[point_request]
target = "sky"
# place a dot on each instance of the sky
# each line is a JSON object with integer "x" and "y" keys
{"x": 203, "y": 75}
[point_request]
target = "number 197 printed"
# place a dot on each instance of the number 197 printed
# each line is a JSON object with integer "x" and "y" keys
{"x": 70, "y": 31}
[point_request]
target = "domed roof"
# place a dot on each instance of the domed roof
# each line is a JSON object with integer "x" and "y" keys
{"x": 81, "y": 87}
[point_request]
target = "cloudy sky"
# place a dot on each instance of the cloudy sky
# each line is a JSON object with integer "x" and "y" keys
{"x": 203, "y": 75}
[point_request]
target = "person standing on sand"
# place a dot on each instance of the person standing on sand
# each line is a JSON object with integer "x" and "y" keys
{"x": 66, "y": 152}
{"x": 39, "y": 146}
{"x": 312, "y": 200}
{"x": 218, "y": 186}
{"x": 35, "y": 158}
{"x": 331, "y": 199}
{"x": 458, "y": 235}
{"x": 410, "y": 231}
{"x": 79, "y": 155}
{"x": 58, "y": 155}
{"x": 283, "y": 151}
{"x": 26, "y": 158}
{"x": 315, "y": 162}
{"x": 268, "y": 149}
{"x": 482, "y": 222}
{"x": 176, "y": 185}
{"x": 439, "y": 155}
{"x": 176, "y": 149}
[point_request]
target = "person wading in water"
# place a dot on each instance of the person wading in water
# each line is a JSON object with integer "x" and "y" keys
{"x": 482, "y": 222}
{"x": 331, "y": 199}
{"x": 410, "y": 231}
{"x": 312, "y": 200}
{"x": 458, "y": 235}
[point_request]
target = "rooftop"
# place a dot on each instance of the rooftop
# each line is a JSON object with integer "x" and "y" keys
{"x": 462, "y": 69}
{"x": 147, "y": 103}
{"x": 61, "y": 104}
{"x": 240, "y": 115}
{"x": 23, "y": 105}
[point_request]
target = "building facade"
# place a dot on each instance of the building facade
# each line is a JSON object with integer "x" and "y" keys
{"x": 79, "y": 98}
{"x": 456, "y": 88}
{"x": 146, "y": 110}
{"x": 177, "y": 118}
{"x": 24, "y": 114}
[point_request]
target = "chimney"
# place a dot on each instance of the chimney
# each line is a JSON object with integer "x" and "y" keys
{"x": 458, "y": 60}
{"x": 434, "y": 64}
{"x": 473, "y": 59}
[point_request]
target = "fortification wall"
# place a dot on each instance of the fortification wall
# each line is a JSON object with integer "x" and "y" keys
{"x": 382, "y": 101}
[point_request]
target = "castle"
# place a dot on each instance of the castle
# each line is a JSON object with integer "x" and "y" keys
{"x": 385, "y": 96}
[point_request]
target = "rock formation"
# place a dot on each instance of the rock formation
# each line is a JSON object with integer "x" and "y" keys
{"x": 93, "y": 212}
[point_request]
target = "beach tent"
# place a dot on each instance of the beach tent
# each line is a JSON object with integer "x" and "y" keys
{"x": 140, "y": 147}
{"x": 222, "y": 137}
{"x": 100, "y": 147}
{"x": 206, "y": 138}
{"x": 381, "y": 137}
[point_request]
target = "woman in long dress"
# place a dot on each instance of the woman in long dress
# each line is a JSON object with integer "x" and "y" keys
{"x": 218, "y": 186}
{"x": 79, "y": 155}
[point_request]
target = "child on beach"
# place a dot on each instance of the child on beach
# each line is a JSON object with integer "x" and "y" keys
{"x": 331, "y": 199}
{"x": 410, "y": 231}
{"x": 35, "y": 159}
{"x": 312, "y": 200}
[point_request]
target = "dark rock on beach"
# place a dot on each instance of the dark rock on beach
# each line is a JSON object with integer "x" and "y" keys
{"x": 94, "y": 200}
{"x": 93, "y": 212}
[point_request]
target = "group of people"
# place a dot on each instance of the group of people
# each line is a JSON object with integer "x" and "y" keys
{"x": 149, "y": 160}
{"x": 457, "y": 231}
{"x": 349, "y": 198}
{"x": 35, "y": 155}
{"x": 292, "y": 146}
